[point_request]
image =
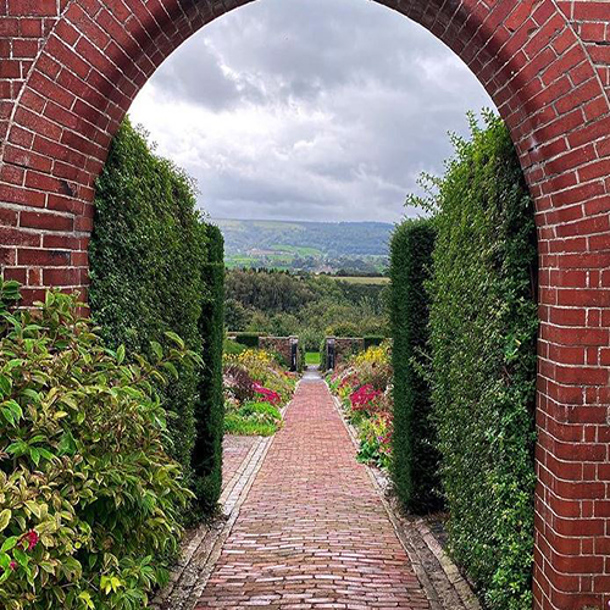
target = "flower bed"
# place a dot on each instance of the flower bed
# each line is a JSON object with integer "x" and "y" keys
{"x": 255, "y": 387}
{"x": 364, "y": 386}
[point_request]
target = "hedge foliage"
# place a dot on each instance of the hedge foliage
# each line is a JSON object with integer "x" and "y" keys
{"x": 151, "y": 273}
{"x": 209, "y": 410}
{"x": 483, "y": 329}
{"x": 415, "y": 457}
{"x": 373, "y": 340}
{"x": 248, "y": 339}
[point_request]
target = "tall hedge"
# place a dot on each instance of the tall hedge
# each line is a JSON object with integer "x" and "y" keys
{"x": 209, "y": 410}
{"x": 149, "y": 266}
{"x": 483, "y": 329}
{"x": 415, "y": 457}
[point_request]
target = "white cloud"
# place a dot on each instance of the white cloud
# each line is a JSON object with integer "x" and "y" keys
{"x": 308, "y": 109}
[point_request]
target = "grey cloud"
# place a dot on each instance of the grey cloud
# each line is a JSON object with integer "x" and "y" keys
{"x": 387, "y": 90}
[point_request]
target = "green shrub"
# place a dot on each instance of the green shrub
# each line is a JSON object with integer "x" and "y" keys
{"x": 483, "y": 321}
{"x": 248, "y": 339}
{"x": 415, "y": 458}
{"x": 146, "y": 257}
{"x": 209, "y": 409}
{"x": 89, "y": 500}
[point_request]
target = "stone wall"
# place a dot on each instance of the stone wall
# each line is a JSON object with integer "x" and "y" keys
{"x": 283, "y": 346}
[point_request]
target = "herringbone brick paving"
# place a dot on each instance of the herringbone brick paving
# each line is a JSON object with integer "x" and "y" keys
{"x": 234, "y": 452}
{"x": 313, "y": 532}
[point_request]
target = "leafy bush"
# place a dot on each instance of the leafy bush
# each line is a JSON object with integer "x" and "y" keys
{"x": 154, "y": 268}
{"x": 89, "y": 498}
{"x": 483, "y": 322}
{"x": 415, "y": 457}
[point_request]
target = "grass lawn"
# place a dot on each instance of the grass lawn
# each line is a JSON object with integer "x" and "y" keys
{"x": 357, "y": 279}
{"x": 313, "y": 358}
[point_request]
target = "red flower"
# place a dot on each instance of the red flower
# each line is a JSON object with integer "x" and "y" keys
{"x": 12, "y": 565}
{"x": 31, "y": 538}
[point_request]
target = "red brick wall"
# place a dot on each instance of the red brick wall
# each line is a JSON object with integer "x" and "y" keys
{"x": 69, "y": 70}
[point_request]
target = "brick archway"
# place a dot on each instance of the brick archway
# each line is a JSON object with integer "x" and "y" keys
{"x": 69, "y": 70}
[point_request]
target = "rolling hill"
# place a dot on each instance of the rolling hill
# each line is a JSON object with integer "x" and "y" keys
{"x": 358, "y": 247}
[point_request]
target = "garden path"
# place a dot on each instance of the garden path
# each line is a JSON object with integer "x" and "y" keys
{"x": 313, "y": 532}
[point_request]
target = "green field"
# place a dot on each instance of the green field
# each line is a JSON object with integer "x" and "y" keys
{"x": 356, "y": 279}
{"x": 300, "y": 250}
{"x": 313, "y": 358}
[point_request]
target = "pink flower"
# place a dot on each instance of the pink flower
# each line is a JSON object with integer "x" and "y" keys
{"x": 268, "y": 395}
{"x": 364, "y": 397}
{"x": 12, "y": 565}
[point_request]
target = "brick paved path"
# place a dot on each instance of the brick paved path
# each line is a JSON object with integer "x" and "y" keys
{"x": 313, "y": 532}
{"x": 234, "y": 452}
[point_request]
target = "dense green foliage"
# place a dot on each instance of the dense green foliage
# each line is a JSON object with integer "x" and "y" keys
{"x": 209, "y": 409}
{"x": 89, "y": 497}
{"x": 483, "y": 325}
{"x": 277, "y": 303}
{"x": 247, "y": 339}
{"x": 415, "y": 457}
{"x": 149, "y": 274}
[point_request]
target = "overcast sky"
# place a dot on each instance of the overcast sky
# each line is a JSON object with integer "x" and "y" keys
{"x": 308, "y": 110}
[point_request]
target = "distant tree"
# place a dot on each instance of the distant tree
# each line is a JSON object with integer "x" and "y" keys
{"x": 237, "y": 317}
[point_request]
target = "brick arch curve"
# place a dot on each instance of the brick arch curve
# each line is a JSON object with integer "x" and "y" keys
{"x": 69, "y": 70}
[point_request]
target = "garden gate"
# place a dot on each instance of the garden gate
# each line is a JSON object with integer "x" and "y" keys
{"x": 69, "y": 70}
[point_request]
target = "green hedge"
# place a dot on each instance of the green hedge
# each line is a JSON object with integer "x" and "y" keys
{"x": 209, "y": 411}
{"x": 149, "y": 266}
{"x": 483, "y": 322}
{"x": 248, "y": 339}
{"x": 415, "y": 457}
{"x": 370, "y": 341}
